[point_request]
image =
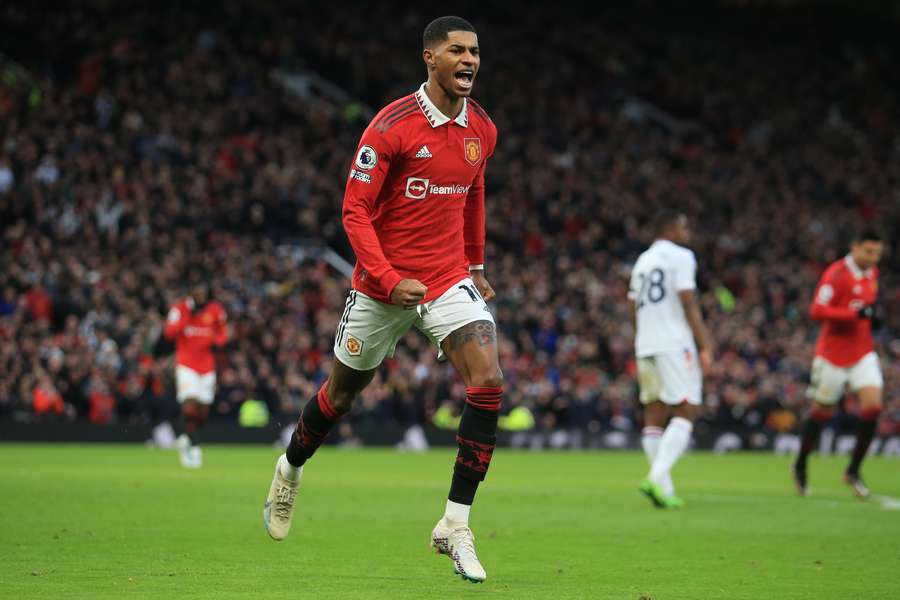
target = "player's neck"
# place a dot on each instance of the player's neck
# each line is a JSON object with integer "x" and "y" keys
{"x": 450, "y": 106}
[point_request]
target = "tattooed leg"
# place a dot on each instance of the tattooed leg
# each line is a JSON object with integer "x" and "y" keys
{"x": 473, "y": 351}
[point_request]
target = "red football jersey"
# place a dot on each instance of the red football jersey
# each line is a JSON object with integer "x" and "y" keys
{"x": 842, "y": 291}
{"x": 195, "y": 332}
{"x": 414, "y": 202}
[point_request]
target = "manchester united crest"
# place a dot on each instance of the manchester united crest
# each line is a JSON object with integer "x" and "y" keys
{"x": 353, "y": 346}
{"x": 473, "y": 150}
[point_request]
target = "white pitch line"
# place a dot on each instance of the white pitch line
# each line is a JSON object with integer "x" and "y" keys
{"x": 889, "y": 503}
{"x": 730, "y": 499}
{"x": 824, "y": 499}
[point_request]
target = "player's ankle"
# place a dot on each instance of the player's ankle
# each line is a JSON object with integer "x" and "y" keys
{"x": 288, "y": 471}
{"x": 456, "y": 514}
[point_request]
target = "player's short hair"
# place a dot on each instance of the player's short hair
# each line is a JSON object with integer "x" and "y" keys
{"x": 663, "y": 218}
{"x": 437, "y": 31}
{"x": 867, "y": 234}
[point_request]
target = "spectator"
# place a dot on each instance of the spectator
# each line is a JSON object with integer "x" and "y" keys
{"x": 146, "y": 156}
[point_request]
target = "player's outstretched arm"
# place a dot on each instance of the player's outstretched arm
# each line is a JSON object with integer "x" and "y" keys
{"x": 698, "y": 327}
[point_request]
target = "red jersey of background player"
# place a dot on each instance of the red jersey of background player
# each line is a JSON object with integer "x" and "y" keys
{"x": 195, "y": 332}
{"x": 842, "y": 291}
{"x": 414, "y": 202}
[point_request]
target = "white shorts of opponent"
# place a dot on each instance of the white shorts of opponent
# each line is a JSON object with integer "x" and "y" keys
{"x": 189, "y": 384}
{"x": 672, "y": 377}
{"x": 827, "y": 380}
{"x": 369, "y": 330}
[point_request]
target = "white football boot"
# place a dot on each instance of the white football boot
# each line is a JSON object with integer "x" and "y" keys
{"x": 196, "y": 457}
{"x": 189, "y": 455}
{"x": 458, "y": 542}
{"x": 279, "y": 508}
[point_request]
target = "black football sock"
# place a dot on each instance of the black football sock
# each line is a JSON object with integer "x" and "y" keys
{"x": 476, "y": 437}
{"x": 810, "y": 431}
{"x": 865, "y": 431}
{"x": 312, "y": 428}
{"x": 186, "y": 422}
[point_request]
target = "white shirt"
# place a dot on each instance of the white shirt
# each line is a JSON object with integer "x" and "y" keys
{"x": 662, "y": 271}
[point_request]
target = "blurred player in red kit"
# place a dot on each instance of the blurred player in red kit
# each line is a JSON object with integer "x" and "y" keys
{"x": 414, "y": 214}
{"x": 195, "y": 324}
{"x": 844, "y": 302}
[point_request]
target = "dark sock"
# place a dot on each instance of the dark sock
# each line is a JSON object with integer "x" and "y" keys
{"x": 462, "y": 489}
{"x": 312, "y": 428}
{"x": 810, "y": 431}
{"x": 194, "y": 421}
{"x": 188, "y": 421}
{"x": 809, "y": 438}
{"x": 865, "y": 431}
{"x": 476, "y": 437}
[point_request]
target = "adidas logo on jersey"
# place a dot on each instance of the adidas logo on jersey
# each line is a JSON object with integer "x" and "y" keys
{"x": 423, "y": 152}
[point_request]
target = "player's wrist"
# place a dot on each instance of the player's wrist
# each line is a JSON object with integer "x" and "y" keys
{"x": 474, "y": 268}
{"x": 390, "y": 282}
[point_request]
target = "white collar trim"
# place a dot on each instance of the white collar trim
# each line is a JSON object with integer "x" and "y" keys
{"x": 854, "y": 268}
{"x": 436, "y": 117}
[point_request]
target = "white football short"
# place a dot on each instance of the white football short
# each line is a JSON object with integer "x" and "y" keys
{"x": 827, "y": 380}
{"x": 672, "y": 377}
{"x": 369, "y": 330}
{"x": 189, "y": 384}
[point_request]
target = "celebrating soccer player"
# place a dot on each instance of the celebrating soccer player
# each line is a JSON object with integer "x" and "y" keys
{"x": 845, "y": 354}
{"x": 414, "y": 214}
{"x": 195, "y": 324}
{"x": 669, "y": 329}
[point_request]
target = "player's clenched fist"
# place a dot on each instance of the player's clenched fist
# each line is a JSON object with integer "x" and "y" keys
{"x": 481, "y": 284}
{"x": 408, "y": 293}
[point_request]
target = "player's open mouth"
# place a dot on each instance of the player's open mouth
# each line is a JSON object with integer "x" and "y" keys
{"x": 464, "y": 78}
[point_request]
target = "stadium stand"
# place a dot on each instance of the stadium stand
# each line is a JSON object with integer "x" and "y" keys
{"x": 136, "y": 146}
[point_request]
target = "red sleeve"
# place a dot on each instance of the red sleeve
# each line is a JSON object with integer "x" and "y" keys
{"x": 367, "y": 175}
{"x": 473, "y": 219}
{"x": 175, "y": 321}
{"x": 221, "y": 335}
{"x": 473, "y": 215}
{"x": 823, "y": 305}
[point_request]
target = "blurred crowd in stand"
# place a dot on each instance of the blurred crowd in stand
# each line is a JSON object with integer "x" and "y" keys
{"x": 137, "y": 146}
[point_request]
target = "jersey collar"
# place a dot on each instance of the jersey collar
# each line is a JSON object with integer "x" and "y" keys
{"x": 854, "y": 268}
{"x": 436, "y": 117}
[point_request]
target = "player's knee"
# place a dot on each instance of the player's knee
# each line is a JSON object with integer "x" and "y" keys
{"x": 202, "y": 412}
{"x": 344, "y": 385}
{"x": 488, "y": 379}
{"x": 821, "y": 413}
{"x": 342, "y": 401}
{"x": 870, "y": 397}
{"x": 688, "y": 411}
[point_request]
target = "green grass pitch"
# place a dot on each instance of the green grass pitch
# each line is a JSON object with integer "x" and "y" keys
{"x": 120, "y": 522}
